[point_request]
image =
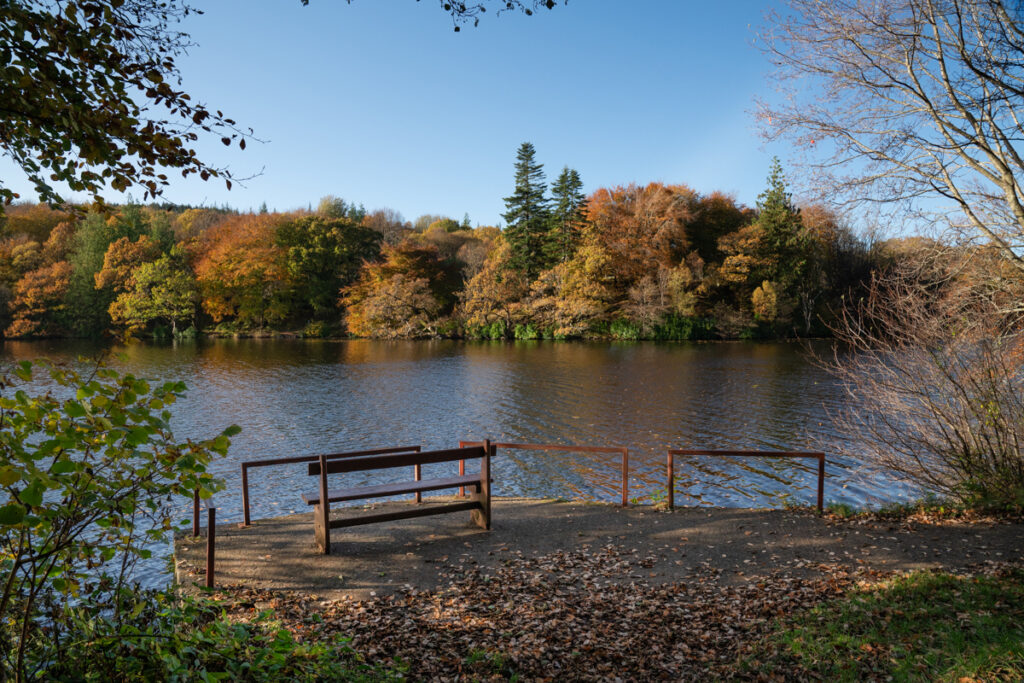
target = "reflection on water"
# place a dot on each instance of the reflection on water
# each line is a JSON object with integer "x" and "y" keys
{"x": 294, "y": 397}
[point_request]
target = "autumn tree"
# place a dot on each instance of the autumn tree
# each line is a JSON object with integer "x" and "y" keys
{"x": 527, "y": 214}
{"x": 403, "y": 294}
{"x": 571, "y": 297}
{"x": 160, "y": 290}
{"x": 122, "y": 258}
{"x": 492, "y": 302}
{"x": 241, "y": 272}
{"x": 714, "y": 216}
{"x": 31, "y": 219}
{"x": 389, "y": 223}
{"x": 39, "y": 302}
{"x": 641, "y": 228}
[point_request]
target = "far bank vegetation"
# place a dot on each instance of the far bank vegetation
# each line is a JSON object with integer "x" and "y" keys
{"x": 655, "y": 261}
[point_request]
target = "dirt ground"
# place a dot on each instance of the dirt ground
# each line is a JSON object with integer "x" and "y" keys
{"x": 740, "y": 545}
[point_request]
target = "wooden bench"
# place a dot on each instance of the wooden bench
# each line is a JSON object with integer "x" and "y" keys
{"x": 478, "y": 485}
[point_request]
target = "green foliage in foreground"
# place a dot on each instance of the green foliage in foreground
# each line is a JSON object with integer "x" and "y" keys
{"x": 89, "y": 468}
{"x": 922, "y": 627}
{"x": 162, "y": 638}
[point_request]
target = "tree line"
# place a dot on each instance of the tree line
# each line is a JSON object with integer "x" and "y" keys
{"x": 630, "y": 262}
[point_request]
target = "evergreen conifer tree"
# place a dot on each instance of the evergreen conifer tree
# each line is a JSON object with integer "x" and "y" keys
{"x": 567, "y": 214}
{"x": 528, "y": 215}
{"x": 782, "y": 238}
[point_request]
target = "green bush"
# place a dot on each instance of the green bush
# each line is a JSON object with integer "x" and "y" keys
{"x": 624, "y": 330}
{"x": 155, "y": 636}
{"x": 495, "y": 330}
{"x": 684, "y": 328}
{"x": 316, "y": 329}
{"x": 527, "y": 331}
{"x": 89, "y": 467}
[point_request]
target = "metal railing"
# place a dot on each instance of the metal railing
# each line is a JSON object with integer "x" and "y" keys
{"x": 820, "y": 457}
{"x": 211, "y": 532}
{"x": 246, "y": 521}
{"x": 622, "y": 450}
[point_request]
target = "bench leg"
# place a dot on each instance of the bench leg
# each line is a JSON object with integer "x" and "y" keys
{"x": 482, "y": 493}
{"x": 322, "y": 529}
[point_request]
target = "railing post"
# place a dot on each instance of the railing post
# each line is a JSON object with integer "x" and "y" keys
{"x": 821, "y": 482}
{"x": 245, "y": 495}
{"x": 417, "y": 474}
{"x": 195, "y": 513}
{"x": 462, "y": 471}
{"x": 671, "y": 487}
{"x": 211, "y": 534}
{"x": 625, "y": 477}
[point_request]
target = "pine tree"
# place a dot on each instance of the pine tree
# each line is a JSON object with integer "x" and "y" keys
{"x": 528, "y": 215}
{"x": 567, "y": 214}
{"x": 782, "y": 235}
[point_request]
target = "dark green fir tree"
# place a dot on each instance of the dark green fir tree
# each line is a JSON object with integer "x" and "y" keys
{"x": 783, "y": 243}
{"x": 566, "y": 215}
{"x": 528, "y": 216}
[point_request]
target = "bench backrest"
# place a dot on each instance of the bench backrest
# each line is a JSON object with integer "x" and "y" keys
{"x": 380, "y": 462}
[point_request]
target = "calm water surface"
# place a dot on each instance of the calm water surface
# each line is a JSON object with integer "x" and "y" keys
{"x": 296, "y": 397}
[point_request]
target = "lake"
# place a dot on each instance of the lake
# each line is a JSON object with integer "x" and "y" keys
{"x": 297, "y": 397}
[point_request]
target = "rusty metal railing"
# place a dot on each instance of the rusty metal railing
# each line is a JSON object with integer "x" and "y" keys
{"x": 820, "y": 457}
{"x": 622, "y": 450}
{"x": 271, "y": 462}
{"x": 211, "y": 533}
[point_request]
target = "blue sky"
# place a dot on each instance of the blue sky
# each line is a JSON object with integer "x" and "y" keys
{"x": 381, "y": 103}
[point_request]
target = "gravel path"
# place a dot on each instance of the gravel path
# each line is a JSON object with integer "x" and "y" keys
{"x": 737, "y": 545}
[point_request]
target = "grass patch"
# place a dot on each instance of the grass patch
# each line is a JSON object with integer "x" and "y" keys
{"x": 928, "y": 510}
{"x": 490, "y": 663}
{"x": 921, "y": 627}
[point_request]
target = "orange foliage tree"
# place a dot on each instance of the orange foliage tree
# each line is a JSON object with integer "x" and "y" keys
{"x": 403, "y": 294}
{"x": 241, "y": 272}
{"x": 39, "y": 301}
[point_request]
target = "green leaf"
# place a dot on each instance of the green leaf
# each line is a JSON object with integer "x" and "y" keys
{"x": 8, "y": 475}
{"x": 11, "y": 514}
{"x": 137, "y": 436}
{"x": 64, "y": 466}
{"x": 33, "y": 493}
{"x": 24, "y": 370}
{"x": 232, "y": 430}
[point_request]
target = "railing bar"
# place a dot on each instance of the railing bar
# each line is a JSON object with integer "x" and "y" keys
{"x": 246, "y": 521}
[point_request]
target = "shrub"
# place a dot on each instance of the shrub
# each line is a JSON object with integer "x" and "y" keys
{"x": 936, "y": 382}
{"x": 89, "y": 465}
{"x": 155, "y": 636}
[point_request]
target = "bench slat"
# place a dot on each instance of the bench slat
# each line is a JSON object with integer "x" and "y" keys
{"x": 381, "y": 490}
{"x": 405, "y": 514}
{"x": 380, "y": 462}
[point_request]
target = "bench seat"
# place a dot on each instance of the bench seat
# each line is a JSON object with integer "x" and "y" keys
{"x": 382, "y": 490}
